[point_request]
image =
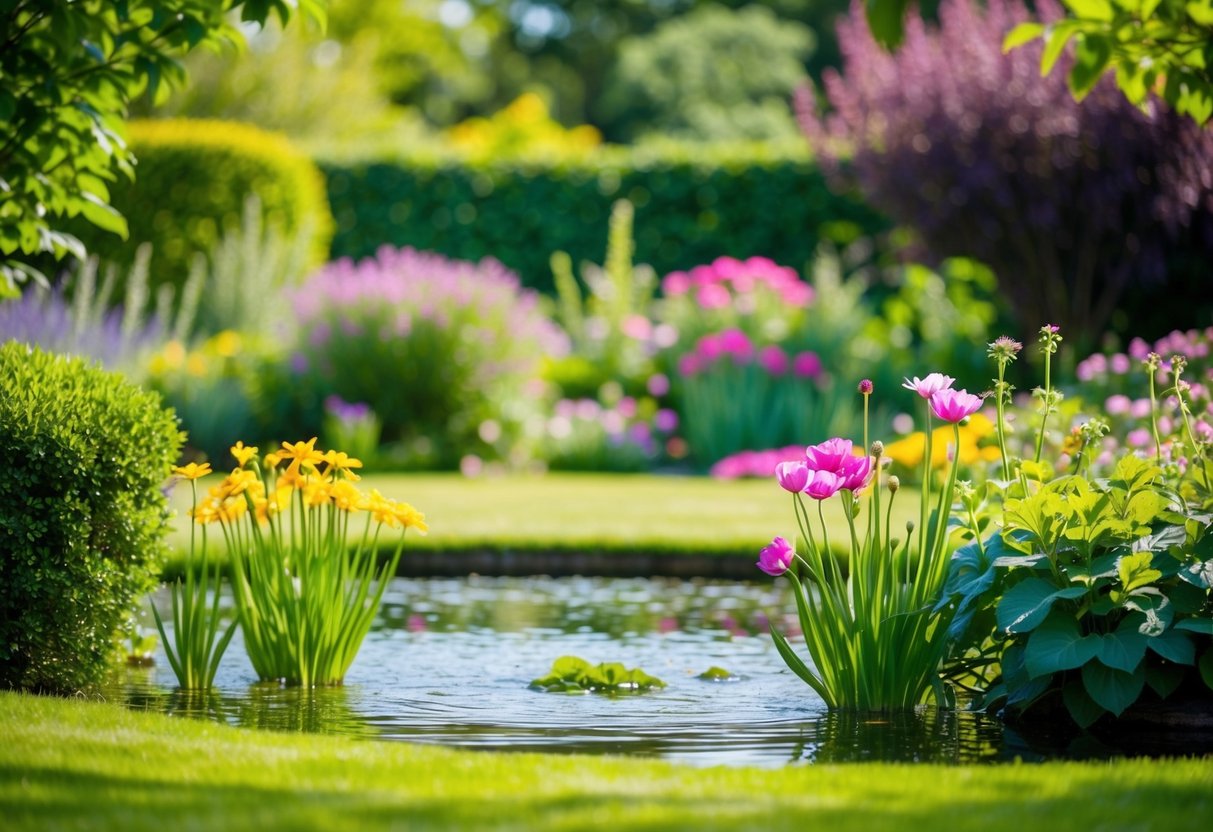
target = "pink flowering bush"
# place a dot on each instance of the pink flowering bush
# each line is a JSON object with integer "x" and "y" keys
{"x": 445, "y": 352}
{"x": 586, "y": 435}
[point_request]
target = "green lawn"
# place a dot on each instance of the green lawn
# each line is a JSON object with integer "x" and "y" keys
{"x": 72, "y": 764}
{"x": 594, "y": 512}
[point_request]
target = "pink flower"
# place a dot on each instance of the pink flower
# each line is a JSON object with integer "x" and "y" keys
{"x": 775, "y": 558}
{"x": 1138, "y": 438}
{"x": 865, "y": 386}
{"x": 1120, "y": 364}
{"x": 713, "y": 296}
{"x": 736, "y": 343}
{"x": 954, "y": 405}
{"x": 1140, "y": 409}
{"x": 830, "y": 455}
{"x": 774, "y": 360}
{"x": 676, "y": 283}
{"x": 1117, "y": 405}
{"x": 856, "y": 472}
{"x": 792, "y": 476}
{"x": 929, "y": 386}
{"x": 1139, "y": 349}
{"x": 689, "y": 364}
{"x": 823, "y": 485}
{"x": 658, "y": 385}
{"x": 806, "y": 365}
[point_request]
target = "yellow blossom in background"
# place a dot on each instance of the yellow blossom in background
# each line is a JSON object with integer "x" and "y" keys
{"x": 271, "y": 460}
{"x": 206, "y": 511}
{"x": 192, "y": 471}
{"x": 908, "y": 451}
{"x": 242, "y": 453}
{"x": 410, "y": 518}
{"x": 226, "y": 344}
{"x": 171, "y": 357}
{"x": 523, "y": 127}
{"x": 237, "y": 482}
{"x": 195, "y": 365}
{"x": 317, "y": 492}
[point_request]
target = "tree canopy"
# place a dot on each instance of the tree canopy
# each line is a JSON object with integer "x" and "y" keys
{"x": 69, "y": 70}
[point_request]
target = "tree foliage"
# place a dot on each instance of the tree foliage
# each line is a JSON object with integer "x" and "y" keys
{"x": 69, "y": 70}
{"x": 1160, "y": 47}
{"x": 1069, "y": 203}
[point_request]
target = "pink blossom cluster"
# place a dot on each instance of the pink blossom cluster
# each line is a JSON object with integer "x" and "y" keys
{"x": 947, "y": 404}
{"x": 1194, "y": 344}
{"x": 715, "y": 285}
{"x": 825, "y": 470}
{"x": 737, "y": 346}
{"x": 758, "y": 464}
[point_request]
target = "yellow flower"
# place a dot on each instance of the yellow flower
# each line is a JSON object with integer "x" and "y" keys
{"x": 236, "y": 483}
{"x": 393, "y": 514}
{"x": 226, "y": 343}
{"x": 341, "y": 462}
{"x": 317, "y": 493}
{"x": 301, "y": 454}
{"x": 206, "y": 511}
{"x": 195, "y": 365}
{"x": 242, "y": 453}
{"x": 231, "y": 510}
{"x": 909, "y": 451}
{"x": 346, "y": 496}
{"x": 192, "y": 471}
{"x": 278, "y": 503}
{"x": 271, "y": 460}
{"x": 410, "y": 517}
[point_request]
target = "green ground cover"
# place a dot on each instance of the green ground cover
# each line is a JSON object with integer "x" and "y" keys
{"x": 71, "y": 764}
{"x": 589, "y": 512}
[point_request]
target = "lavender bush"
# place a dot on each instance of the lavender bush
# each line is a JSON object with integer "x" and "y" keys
{"x": 445, "y": 352}
{"x": 1069, "y": 203}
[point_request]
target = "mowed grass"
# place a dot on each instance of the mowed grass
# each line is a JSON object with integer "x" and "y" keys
{"x": 73, "y": 764}
{"x": 591, "y": 512}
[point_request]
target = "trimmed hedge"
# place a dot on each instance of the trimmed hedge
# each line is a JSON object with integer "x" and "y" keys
{"x": 691, "y": 207}
{"x": 191, "y": 182}
{"x": 82, "y": 514}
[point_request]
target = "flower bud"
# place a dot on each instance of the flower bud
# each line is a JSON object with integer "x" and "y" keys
{"x": 909, "y": 526}
{"x": 865, "y": 386}
{"x": 877, "y": 449}
{"x": 894, "y": 484}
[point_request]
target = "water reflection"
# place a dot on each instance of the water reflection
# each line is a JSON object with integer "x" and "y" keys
{"x": 449, "y": 660}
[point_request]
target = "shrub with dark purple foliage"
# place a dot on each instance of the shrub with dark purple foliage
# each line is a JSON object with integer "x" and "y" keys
{"x": 1070, "y": 203}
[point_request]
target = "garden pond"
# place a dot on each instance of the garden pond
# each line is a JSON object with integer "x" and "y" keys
{"x": 450, "y": 661}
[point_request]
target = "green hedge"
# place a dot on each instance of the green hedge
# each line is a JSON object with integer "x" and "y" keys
{"x": 191, "y": 182}
{"x": 691, "y": 207}
{"x": 82, "y": 514}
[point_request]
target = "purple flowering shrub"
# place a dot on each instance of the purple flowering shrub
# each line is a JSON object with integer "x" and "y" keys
{"x": 445, "y": 352}
{"x": 585, "y": 435}
{"x": 1069, "y": 203}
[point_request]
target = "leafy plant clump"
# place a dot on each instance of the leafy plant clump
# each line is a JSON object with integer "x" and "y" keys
{"x": 571, "y": 674}
{"x": 82, "y": 514}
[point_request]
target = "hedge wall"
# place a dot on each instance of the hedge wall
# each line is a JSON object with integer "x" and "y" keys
{"x": 191, "y": 181}
{"x": 691, "y": 207}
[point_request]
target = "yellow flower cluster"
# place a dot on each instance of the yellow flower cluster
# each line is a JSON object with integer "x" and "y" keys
{"x": 259, "y": 485}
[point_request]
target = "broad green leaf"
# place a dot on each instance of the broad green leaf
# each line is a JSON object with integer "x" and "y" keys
{"x": 1083, "y": 709}
{"x": 1056, "y": 39}
{"x": 1123, "y": 649}
{"x": 1198, "y": 574}
{"x": 1021, "y": 34}
{"x": 1058, "y": 645}
{"x": 716, "y": 674}
{"x": 102, "y": 215}
{"x": 568, "y": 667}
{"x": 1203, "y": 626}
{"x": 1024, "y": 606}
{"x": 1136, "y": 570}
{"x": 1186, "y": 598}
{"x": 1113, "y": 690}
{"x": 1206, "y": 668}
{"x": 1164, "y": 679}
{"x": 1100, "y": 10}
{"x": 1201, "y": 12}
{"x": 1174, "y": 646}
{"x": 796, "y": 664}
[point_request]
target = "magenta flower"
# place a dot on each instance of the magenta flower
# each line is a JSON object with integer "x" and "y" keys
{"x": 831, "y": 455}
{"x": 954, "y": 405}
{"x": 932, "y": 384}
{"x": 792, "y": 476}
{"x": 806, "y": 365}
{"x": 865, "y": 386}
{"x": 856, "y": 472}
{"x": 823, "y": 484}
{"x": 775, "y": 558}
{"x": 774, "y": 360}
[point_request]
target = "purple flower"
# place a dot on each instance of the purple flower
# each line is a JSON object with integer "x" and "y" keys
{"x": 792, "y": 476}
{"x": 932, "y": 384}
{"x": 823, "y": 485}
{"x": 865, "y": 386}
{"x": 954, "y": 405}
{"x": 856, "y": 472}
{"x": 1117, "y": 405}
{"x": 1120, "y": 364}
{"x": 665, "y": 420}
{"x": 776, "y": 557}
{"x": 658, "y": 385}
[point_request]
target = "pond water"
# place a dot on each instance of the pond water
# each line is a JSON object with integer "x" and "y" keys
{"x": 449, "y": 662}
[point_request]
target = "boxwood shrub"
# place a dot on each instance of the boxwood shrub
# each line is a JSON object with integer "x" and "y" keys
{"x": 191, "y": 182}
{"x": 82, "y": 513}
{"x": 692, "y": 206}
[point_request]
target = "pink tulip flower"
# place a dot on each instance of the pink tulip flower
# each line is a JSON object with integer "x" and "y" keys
{"x": 856, "y": 472}
{"x": 929, "y": 386}
{"x": 954, "y": 405}
{"x": 792, "y": 476}
{"x": 823, "y": 484}
{"x": 830, "y": 455}
{"x": 775, "y": 558}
